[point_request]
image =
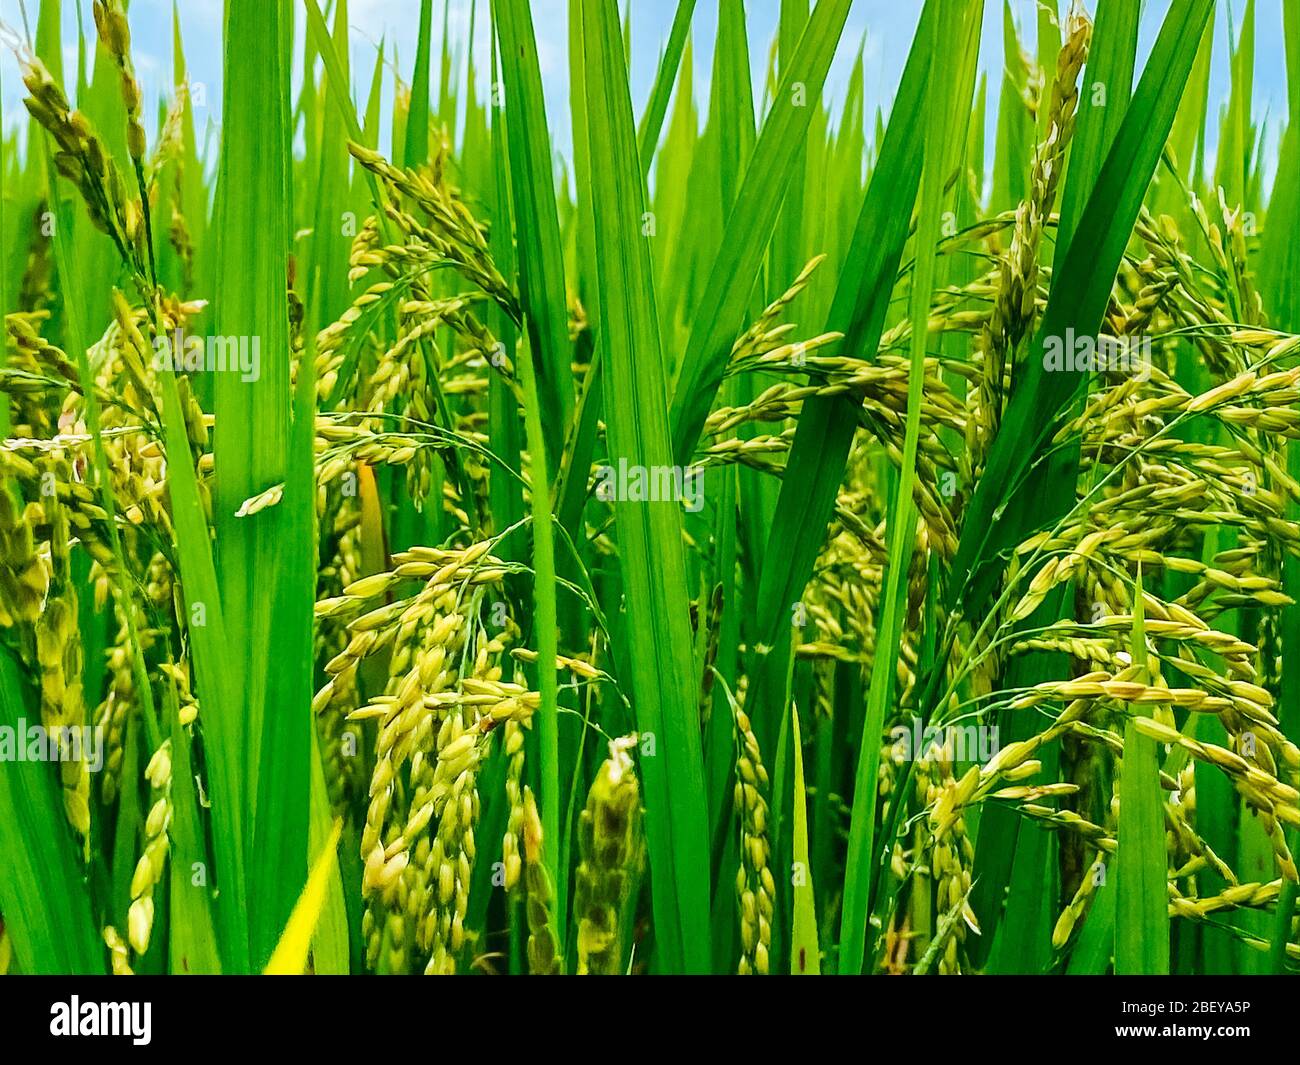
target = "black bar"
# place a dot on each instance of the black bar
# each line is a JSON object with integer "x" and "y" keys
{"x": 377, "y": 1016}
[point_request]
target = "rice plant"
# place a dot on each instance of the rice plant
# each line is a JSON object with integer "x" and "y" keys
{"x": 770, "y": 538}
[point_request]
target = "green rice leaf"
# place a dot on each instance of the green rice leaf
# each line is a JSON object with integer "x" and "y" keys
{"x": 805, "y": 955}
{"x": 537, "y": 227}
{"x": 750, "y": 225}
{"x": 652, "y": 120}
{"x": 663, "y": 683}
{"x": 1141, "y": 895}
{"x": 250, "y": 447}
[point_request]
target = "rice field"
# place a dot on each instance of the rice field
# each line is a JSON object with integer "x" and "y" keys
{"x": 724, "y": 531}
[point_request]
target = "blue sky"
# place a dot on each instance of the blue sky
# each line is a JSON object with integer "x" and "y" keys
{"x": 884, "y": 27}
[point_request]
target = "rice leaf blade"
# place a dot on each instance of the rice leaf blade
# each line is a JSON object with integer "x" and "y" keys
{"x": 663, "y": 683}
